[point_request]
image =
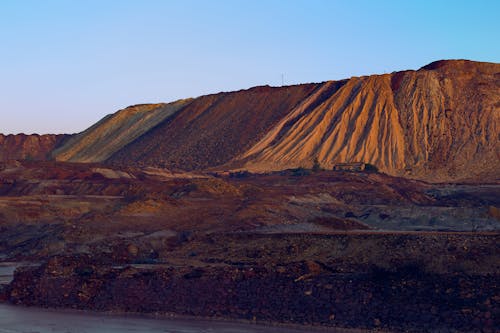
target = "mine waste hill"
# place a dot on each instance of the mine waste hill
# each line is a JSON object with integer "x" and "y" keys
{"x": 440, "y": 123}
{"x": 265, "y": 205}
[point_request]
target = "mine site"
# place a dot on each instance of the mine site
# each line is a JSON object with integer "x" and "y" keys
{"x": 362, "y": 204}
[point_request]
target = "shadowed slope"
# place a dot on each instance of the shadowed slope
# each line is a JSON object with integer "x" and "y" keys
{"x": 113, "y": 132}
{"x": 213, "y": 129}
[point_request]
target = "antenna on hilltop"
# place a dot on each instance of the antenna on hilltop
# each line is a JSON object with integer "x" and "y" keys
{"x": 282, "y": 79}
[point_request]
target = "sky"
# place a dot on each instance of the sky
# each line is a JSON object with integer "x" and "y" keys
{"x": 65, "y": 64}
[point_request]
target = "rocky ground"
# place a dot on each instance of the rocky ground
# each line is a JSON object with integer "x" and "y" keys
{"x": 400, "y": 282}
{"x": 357, "y": 250}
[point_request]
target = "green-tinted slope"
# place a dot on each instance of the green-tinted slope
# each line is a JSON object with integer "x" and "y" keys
{"x": 113, "y": 132}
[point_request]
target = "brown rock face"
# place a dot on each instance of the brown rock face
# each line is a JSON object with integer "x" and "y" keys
{"x": 34, "y": 147}
{"x": 439, "y": 123}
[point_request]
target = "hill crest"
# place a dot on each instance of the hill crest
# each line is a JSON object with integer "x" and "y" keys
{"x": 437, "y": 123}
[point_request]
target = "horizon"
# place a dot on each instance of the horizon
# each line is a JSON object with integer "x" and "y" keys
{"x": 66, "y": 66}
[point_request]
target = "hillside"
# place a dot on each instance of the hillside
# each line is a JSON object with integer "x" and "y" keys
{"x": 28, "y": 147}
{"x": 213, "y": 129}
{"x": 125, "y": 230}
{"x": 439, "y": 123}
{"x": 114, "y": 131}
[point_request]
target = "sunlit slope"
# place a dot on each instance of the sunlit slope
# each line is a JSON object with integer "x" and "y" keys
{"x": 213, "y": 129}
{"x": 114, "y": 131}
{"x": 438, "y": 123}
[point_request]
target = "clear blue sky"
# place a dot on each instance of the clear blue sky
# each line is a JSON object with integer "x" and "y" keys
{"x": 65, "y": 64}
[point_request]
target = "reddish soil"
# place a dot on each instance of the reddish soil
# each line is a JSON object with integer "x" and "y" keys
{"x": 79, "y": 201}
{"x": 325, "y": 248}
{"x": 30, "y": 147}
{"x": 367, "y": 250}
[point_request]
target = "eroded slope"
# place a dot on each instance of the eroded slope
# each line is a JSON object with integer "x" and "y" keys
{"x": 439, "y": 123}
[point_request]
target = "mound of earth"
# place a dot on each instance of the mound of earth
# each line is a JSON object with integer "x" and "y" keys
{"x": 439, "y": 123}
{"x": 115, "y": 131}
{"x": 213, "y": 129}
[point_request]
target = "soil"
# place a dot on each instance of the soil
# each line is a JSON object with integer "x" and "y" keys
{"x": 360, "y": 250}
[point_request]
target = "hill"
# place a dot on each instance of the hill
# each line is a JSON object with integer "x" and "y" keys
{"x": 440, "y": 123}
{"x": 213, "y": 129}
